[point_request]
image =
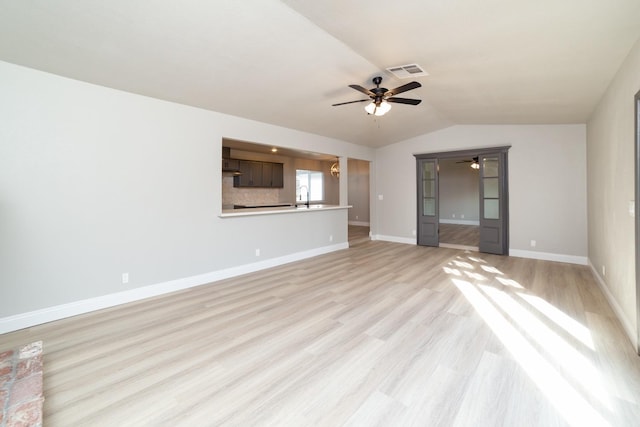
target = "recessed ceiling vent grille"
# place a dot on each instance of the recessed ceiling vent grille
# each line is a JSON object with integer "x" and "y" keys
{"x": 407, "y": 71}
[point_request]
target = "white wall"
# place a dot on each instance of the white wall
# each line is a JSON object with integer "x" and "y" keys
{"x": 610, "y": 152}
{"x": 547, "y": 185}
{"x": 96, "y": 182}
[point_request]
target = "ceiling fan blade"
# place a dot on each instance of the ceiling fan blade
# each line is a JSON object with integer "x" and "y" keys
{"x": 405, "y": 101}
{"x": 403, "y": 88}
{"x": 350, "y": 102}
{"x": 363, "y": 90}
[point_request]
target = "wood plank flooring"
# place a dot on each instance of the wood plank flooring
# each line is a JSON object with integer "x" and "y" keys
{"x": 459, "y": 234}
{"x": 381, "y": 334}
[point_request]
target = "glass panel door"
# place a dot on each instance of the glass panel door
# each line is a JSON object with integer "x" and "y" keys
{"x": 428, "y": 202}
{"x": 492, "y": 204}
{"x": 490, "y": 187}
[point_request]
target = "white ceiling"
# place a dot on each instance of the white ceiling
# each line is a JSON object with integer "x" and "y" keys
{"x": 285, "y": 62}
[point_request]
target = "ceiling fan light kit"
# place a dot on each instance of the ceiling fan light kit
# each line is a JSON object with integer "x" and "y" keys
{"x": 378, "y": 110}
{"x": 380, "y": 97}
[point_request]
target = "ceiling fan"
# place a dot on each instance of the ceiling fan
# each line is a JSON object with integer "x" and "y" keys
{"x": 474, "y": 162}
{"x": 380, "y": 97}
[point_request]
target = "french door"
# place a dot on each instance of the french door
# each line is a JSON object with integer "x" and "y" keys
{"x": 494, "y": 194}
{"x": 493, "y": 203}
{"x": 428, "y": 216}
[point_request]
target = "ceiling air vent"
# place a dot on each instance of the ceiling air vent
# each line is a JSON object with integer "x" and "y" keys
{"x": 407, "y": 71}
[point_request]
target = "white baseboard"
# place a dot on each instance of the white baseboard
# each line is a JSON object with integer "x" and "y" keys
{"x": 546, "y": 256}
{"x": 394, "y": 239}
{"x": 626, "y": 324}
{"x": 359, "y": 223}
{"x": 459, "y": 221}
{"x": 49, "y": 314}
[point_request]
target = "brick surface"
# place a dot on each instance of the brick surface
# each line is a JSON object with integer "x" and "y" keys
{"x": 26, "y": 389}
{"x": 5, "y": 370}
{"x": 25, "y": 415}
{"x": 4, "y": 380}
{"x": 30, "y": 350}
{"x": 27, "y": 367}
{"x": 21, "y": 394}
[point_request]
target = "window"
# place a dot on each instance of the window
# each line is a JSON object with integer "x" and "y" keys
{"x": 309, "y": 186}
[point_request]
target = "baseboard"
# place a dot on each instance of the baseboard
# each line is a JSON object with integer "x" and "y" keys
{"x": 617, "y": 310}
{"x": 546, "y": 256}
{"x": 459, "y": 221}
{"x": 49, "y": 314}
{"x": 394, "y": 239}
{"x": 359, "y": 223}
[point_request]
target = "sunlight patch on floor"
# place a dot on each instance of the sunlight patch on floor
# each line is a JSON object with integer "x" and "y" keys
{"x": 576, "y": 329}
{"x": 569, "y": 358}
{"x": 569, "y": 402}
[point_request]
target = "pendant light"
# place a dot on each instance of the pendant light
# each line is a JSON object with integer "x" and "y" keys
{"x": 335, "y": 168}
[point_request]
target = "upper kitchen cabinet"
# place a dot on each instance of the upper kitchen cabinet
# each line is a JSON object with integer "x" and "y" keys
{"x": 259, "y": 174}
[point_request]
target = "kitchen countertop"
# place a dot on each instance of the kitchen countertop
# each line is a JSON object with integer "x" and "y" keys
{"x": 255, "y": 210}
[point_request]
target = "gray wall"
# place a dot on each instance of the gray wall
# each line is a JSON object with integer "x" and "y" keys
{"x": 459, "y": 192}
{"x": 610, "y": 152}
{"x": 547, "y": 184}
{"x": 96, "y": 182}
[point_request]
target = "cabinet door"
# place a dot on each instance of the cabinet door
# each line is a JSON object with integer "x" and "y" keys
{"x": 245, "y": 179}
{"x": 230, "y": 164}
{"x": 256, "y": 174}
{"x": 277, "y": 176}
{"x": 267, "y": 169}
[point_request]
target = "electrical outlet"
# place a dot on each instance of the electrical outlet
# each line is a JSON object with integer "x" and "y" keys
{"x": 356, "y": 216}
{"x": 533, "y": 243}
{"x": 257, "y": 252}
{"x": 462, "y": 216}
{"x": 380, "y": 197}
{"x": 413, "y": 232}
{"x": 125, "y": 277}
{"x": 453, "y": 215}
{"x": 331, "y": 237}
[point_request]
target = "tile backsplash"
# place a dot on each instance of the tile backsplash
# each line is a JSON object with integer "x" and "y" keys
{"x": 248, "y": 196}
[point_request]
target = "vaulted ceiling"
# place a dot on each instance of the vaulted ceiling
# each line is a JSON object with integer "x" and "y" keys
{"x": 285, "y": 62}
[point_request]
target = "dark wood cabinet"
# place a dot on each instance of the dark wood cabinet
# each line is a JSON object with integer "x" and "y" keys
{"x": 230, "y": 164}
{"x": 259, "y": 174}
{"x": 277, "y": 175}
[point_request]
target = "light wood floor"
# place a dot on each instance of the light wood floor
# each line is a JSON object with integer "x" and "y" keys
{"x": 459, "y": 234}
{"x": 358, "y": 234}
{"x": 381, "y": 334}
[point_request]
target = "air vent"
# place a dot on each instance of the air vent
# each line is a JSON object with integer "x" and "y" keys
{"x": 407, "y": 71}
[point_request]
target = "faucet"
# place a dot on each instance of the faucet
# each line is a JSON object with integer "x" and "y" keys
{"x": 307, "y": 189}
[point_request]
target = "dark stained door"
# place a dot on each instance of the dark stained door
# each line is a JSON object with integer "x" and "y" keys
{"x": 493, "y": 204}
{"x": 428, "y": 216}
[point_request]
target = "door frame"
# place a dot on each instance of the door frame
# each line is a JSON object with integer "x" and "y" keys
{"x": 472, "y": 152}
{"x": 636, "y": 212}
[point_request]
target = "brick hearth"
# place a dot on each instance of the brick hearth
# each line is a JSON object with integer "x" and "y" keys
{"x": 21, "y": 394}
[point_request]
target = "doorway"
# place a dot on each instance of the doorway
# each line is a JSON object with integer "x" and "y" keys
{"x": 358, "y": 177}
{"x": 458, "y": 190}
{"x": 492, "y": 197}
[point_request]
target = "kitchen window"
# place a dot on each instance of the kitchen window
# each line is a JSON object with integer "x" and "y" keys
{"x": 309, "y": 186}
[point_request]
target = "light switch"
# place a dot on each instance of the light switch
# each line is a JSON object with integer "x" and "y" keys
{"x": 380, "y": 197}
